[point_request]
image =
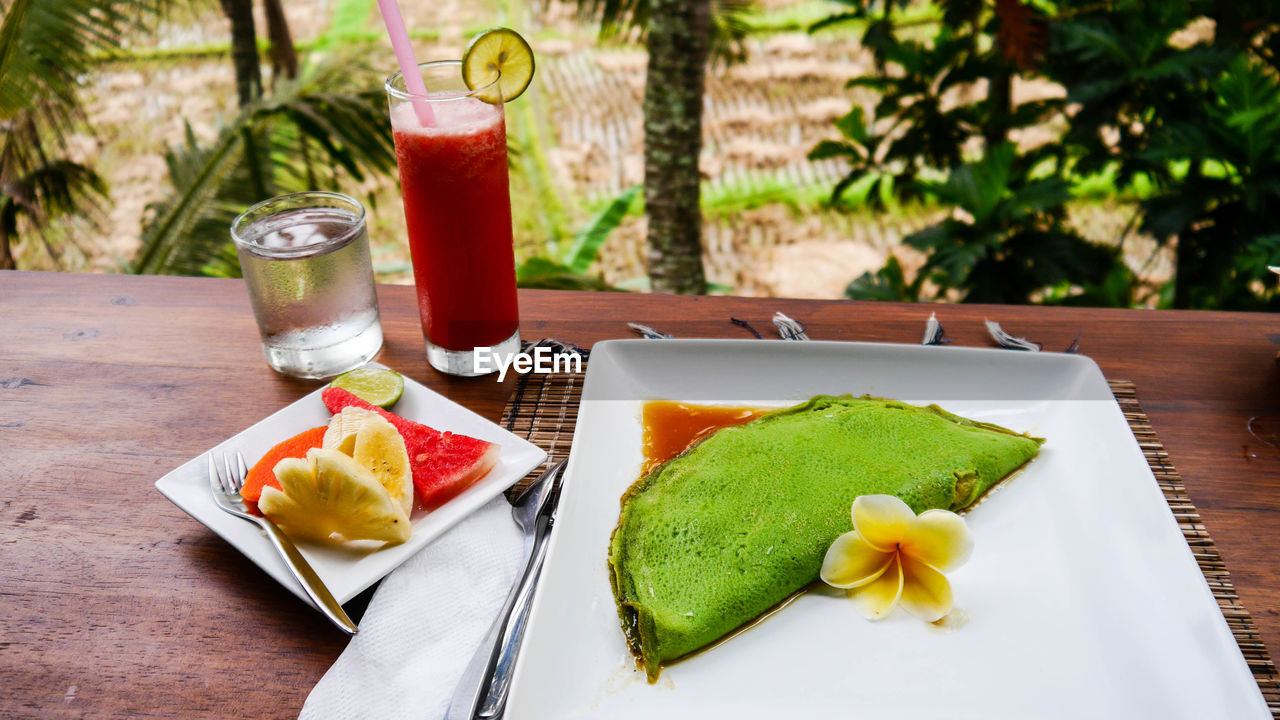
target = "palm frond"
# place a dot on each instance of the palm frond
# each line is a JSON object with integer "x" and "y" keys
{"x": 170, "y": 240}
{"x": 46, "y": 49}
{"x": 59, "y": 187}
{"x": 55, "y": 43}
{"x": 587, "y": 243}
{"x": 54, "y": 189}
{"x": 11, "y": 32}
{"x": 351, "y": 129}
{"x": 284, "y": 56}
{"x": 327, "y": 125}
{"x": 616, "y": 16}
{"x": 730, "y": 27}
{"x": 38, "y": 183}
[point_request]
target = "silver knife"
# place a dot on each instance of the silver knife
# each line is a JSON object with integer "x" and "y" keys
{"x": 482, "y": 691}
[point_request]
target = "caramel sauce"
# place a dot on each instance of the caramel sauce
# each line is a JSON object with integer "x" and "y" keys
{"x": 670, "y": 427}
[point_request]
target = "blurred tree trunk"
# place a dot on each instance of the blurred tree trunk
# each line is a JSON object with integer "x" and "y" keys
{"x": 244, "y": 49}
{"x": 244, "y": 56}
{"x": 1186, "y": 255}
{"x": 6, "y": 253}
{"x": 999, "y": 94}
{"x": 284, "y": 56}
{"x": 679, "y": 40}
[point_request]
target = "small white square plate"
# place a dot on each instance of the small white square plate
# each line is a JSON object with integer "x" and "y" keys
{"x": 347, "y": 572}
{"x": 1081, "y": 600}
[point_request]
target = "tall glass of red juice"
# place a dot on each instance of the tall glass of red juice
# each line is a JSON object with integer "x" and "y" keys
{"x": 457, "y": 204}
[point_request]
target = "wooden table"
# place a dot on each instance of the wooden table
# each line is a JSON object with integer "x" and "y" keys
{"x": 117, "y": 604}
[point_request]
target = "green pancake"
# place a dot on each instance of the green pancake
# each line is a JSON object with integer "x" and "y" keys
{"x": 712, "y": 539}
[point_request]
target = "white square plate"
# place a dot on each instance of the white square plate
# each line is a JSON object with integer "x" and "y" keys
{"x": 347, "y": 572}
{"x": 1082, "y": 599}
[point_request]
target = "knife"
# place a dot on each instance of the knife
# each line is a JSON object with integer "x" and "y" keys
{"x": 482, "y": 692}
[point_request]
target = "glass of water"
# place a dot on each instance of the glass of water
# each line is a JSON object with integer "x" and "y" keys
{"x": 305, "y": 258}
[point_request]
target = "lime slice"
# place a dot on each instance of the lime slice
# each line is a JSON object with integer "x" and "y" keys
{"x": 499, "y": 50}
{"x": 376, "y": 386}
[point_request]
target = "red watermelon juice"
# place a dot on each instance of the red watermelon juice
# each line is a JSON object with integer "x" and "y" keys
{"x": 457, "y": 204}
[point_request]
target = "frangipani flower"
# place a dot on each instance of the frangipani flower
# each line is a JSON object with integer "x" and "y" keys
{"x": 894, "y": 556}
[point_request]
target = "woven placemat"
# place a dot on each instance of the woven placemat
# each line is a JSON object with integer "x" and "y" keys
{"x": 544, "y": 409}
{"x": 1206, "y": 553}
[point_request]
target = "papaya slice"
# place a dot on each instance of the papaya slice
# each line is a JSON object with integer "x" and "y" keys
{"x": 262, "y": 473}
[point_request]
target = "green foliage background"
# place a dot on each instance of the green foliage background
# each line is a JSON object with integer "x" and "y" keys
{"x": 1190, "y": 126}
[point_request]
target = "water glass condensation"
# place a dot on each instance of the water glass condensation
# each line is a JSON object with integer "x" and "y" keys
{"x": 305, "y": 258}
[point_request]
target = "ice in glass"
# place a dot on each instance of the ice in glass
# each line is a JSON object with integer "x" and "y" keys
{"x": 305, "y": 258}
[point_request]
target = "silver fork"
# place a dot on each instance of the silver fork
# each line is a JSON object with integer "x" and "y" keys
{"x": 226, "y": 493}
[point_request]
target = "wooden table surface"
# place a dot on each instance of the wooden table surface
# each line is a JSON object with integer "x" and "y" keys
{"x": 116, "y": 604}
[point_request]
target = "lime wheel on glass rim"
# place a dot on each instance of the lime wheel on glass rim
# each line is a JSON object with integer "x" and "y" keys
{"x": 502, "y": 54}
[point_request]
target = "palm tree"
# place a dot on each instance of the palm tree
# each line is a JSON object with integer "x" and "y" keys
{"x": 679, "y": 39}
{"x": 46, "y": 48}
{"x": 244, "y": 49}
{"x": 681, "y": 36}
{"x": 323, "y": 122}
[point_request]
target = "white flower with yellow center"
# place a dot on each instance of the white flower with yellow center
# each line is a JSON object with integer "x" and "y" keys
{"x": 894, "y": 556}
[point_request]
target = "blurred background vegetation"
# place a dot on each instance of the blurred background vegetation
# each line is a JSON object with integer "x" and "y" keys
{"x": 1101, "y": 153}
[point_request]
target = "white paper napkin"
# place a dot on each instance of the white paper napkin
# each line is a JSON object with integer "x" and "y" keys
{"x": 423, "y": 624}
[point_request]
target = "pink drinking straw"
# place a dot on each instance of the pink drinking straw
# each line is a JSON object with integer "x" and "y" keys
{"x": 408, "y": 63}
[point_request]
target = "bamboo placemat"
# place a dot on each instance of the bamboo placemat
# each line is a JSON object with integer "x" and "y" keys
{"x": 544, "y": 409}
{"x": 1206, "y": 553}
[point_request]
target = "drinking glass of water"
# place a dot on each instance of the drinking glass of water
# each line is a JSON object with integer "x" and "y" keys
{"x": 305, "y": 258}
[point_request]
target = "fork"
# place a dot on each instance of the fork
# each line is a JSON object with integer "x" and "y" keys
{"x": 226, "y": 485}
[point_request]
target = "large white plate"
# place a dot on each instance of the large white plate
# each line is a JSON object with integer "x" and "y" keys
{"x": 1082, "y": 600}
{"x": 347, "y": 572}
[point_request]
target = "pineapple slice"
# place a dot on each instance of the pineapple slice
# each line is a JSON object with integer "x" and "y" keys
{"x": 380, "y": 450}
{"x": 343, "y": 428}
{"x": 329, "y": 493}
{"x": 377, "y": 446}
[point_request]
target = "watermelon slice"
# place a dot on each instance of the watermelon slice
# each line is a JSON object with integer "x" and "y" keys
{"x": 443, "y": 463}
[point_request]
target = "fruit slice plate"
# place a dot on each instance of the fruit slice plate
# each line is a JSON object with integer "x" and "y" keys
{"x": 347, "y": 571}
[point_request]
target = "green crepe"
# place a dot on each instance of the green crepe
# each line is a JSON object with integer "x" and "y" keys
{"x": 714, "y": 538}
